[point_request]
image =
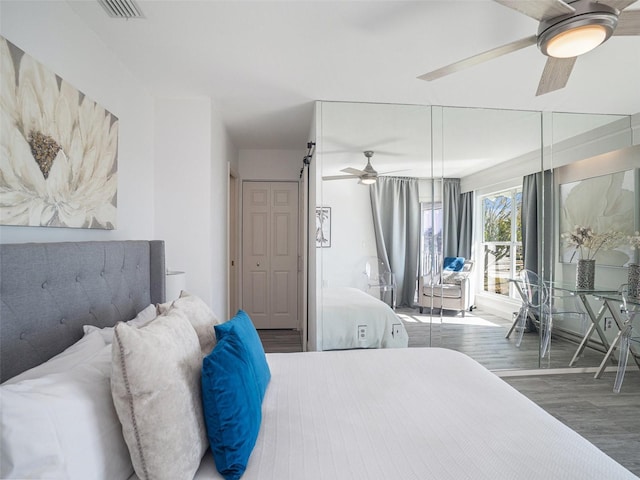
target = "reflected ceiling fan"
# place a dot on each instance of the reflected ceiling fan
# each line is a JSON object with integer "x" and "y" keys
{"x": 566, "y": 31}
{"x": 368, "y": 175}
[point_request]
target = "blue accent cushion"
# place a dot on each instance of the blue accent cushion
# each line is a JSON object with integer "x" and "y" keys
{"x": 453, "y": 264}
{"x": 242, "y": 327}
{"x": 232, "y": 406}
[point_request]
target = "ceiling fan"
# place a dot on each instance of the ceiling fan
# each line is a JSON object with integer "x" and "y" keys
{"x": 368, "y": 175}
{"x": 566, "y": 31}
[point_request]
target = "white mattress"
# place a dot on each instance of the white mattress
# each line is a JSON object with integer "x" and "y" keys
{"x": 408, "y": 414}
{"x": 344, "y": 310}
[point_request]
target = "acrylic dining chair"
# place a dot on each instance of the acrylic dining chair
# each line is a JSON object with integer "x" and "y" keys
{"x": 543, "y": 305}
{"x": 380, "y": 279}
{"x": 628, "y": 337}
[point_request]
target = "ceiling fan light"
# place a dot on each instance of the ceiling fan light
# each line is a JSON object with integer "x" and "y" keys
{"x": 576, "y": 41}
{"x": 576, "y": 34}
{"x": 367, "y": 181}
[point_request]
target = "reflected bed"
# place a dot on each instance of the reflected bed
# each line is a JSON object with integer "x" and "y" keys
{"x": 353, "y": 319}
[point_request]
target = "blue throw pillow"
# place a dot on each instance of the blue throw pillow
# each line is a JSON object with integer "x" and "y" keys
{"x": 232, "y": 406}
{"x": 242, "y": 327}
{"x": 453, "y": 264}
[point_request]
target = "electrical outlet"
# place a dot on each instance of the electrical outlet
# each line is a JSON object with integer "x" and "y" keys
{"x": 395, "y": 330}
{"x": 609, "y": 322}
{"x": 362, "y": 333}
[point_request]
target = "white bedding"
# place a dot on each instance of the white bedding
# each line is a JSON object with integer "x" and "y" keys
{"x": 418, "y": 413}
{"x": 344, "y": 310}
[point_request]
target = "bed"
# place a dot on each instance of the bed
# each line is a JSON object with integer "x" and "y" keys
{"x": 410, "y": 413}
{"x": 353, "y": 319}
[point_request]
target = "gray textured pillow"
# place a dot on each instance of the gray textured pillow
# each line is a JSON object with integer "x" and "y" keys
{"x": 201, "y": 318}
{"x": 155, "y": 384}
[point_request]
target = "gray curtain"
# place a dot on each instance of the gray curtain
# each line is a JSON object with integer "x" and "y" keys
{"x": 535, "y": 226}
{"x": 536, "y": 208}
{"x": 465, "y": 225}
{"x": 396, "y": 223}
{"x": 531, "y": 191}
{"x": 450, "y": 216}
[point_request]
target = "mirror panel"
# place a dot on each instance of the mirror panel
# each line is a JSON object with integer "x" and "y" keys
{"x": 595, "y": 185}
{"x": 491, "y": 152}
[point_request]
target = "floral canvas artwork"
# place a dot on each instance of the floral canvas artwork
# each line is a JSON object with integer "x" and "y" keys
{"x": 597, "y": 219}
{"x": 59, "y": 149}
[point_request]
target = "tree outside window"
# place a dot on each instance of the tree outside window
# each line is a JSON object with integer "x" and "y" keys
{"x": 502, "y": 239}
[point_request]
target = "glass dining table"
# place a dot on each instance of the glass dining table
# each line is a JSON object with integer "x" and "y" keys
{"x": 594, "y": 317}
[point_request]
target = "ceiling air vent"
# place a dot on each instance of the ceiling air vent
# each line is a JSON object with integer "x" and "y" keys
{"x": 121, "y": 8}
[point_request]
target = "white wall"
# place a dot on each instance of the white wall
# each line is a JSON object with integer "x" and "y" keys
{"x": 352, "y": 236}
{"x": 270, "y": 164}
{"x": 224, "y": 156}
{"x": 51, "y": 33}
{"x": 193, "y": 151}
{"x": 173, "y": 154}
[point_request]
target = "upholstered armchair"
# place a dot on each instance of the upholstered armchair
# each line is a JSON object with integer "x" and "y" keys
{"x": 453, "y": 293}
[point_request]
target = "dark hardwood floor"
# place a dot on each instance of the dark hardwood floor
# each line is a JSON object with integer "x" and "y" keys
{"x": 608, "y": 420}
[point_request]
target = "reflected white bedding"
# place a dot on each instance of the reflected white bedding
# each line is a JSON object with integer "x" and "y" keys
{"x": 345, "y": 309}
{"x": 408, "y": 414}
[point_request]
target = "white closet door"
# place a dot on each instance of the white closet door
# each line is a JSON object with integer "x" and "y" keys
{"x": 270, "y": 253}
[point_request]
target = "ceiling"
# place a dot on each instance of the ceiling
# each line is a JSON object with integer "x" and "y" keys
{"x": 264, "y": 63}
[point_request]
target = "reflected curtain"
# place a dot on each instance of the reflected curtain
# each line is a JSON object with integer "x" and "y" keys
{"x": 457, "y": 220}
{"x": 536, "y": 212}
{"x": 450, "y": 215}
{"x": 396, "y": 223}
{"x": 465, "y": 225}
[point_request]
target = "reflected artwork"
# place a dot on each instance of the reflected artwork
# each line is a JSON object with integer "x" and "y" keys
{"x": 603, "y": 206}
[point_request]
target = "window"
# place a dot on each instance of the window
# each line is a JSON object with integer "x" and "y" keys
{"x": 502, "y": 239}
{"x": 431, "y": 239}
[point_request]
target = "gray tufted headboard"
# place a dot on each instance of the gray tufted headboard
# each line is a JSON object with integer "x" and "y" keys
{"x": 48, "y": 291}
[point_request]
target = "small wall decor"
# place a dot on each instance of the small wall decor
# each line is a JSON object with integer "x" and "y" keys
{"x": 59, "y": 149}
{"x": 323, "y": 227}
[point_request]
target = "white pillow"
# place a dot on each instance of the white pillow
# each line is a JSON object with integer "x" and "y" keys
{"x": 146, "y": 316}
{"x": 454, "y": 278}
{"x": 201, "y": 318}
{"x": 155, "y": 384}
{"x": 63, "y": 425}
{"x": 82, "y": 351}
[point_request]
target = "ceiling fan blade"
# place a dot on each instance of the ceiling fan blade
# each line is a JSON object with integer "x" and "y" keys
{"x": 619, "y": 4}
{"x": 353, "y": 171}
{"x": 540, "y": 10}
{"x": 339, "y": 177}
{"x": 481, "y": 57}
{"x": 628, "y": 23}
{"x": 555, "y": 74}
{"x": 393, "y": 171}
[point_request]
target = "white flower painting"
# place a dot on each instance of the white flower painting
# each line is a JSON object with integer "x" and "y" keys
{"x": 606, "y": 205}
{"x": 58, "y": 149}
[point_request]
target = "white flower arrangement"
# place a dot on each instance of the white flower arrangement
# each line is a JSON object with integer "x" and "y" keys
{"x": 634, "y": 241}
{"x": 587, "y": 243}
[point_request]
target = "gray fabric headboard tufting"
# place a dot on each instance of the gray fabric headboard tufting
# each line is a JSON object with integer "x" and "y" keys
{"x": 48, "y": 291}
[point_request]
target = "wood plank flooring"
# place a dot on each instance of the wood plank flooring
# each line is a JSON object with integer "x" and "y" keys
{"x": 610, "y": 421}
{"x": 482, "y": 337}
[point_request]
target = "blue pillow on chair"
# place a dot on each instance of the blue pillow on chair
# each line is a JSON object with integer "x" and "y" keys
{"x": 453, "y": 264}
{"x": 232, "y": 406}
{"x": 242, "y": 327}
